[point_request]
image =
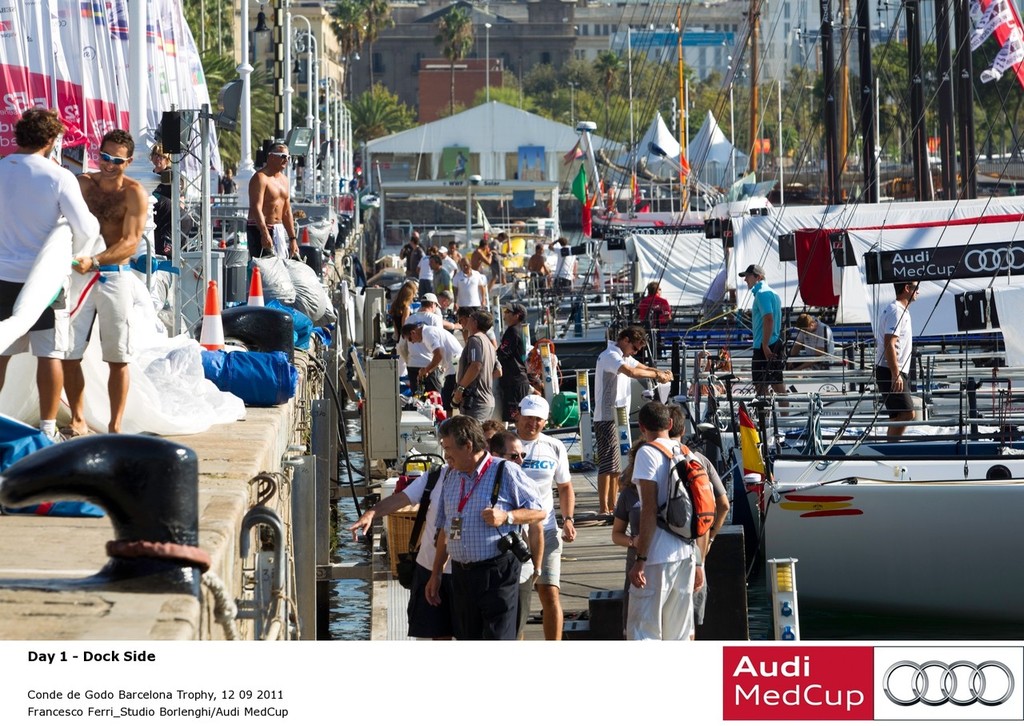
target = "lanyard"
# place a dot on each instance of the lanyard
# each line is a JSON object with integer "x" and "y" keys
{"x": 463, "y": 496}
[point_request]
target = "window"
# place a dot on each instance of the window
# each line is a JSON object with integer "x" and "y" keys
{"x": 378, "y": 63}
{"x": 545, "y": 58}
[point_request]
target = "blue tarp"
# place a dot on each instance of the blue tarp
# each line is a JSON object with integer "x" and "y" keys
{"x": 259, "y": 379}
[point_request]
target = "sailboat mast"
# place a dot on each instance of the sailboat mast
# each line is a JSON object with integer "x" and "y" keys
{"x": 844, "y": 85}
{"x": 919, "y": 143}
{"x": 829, "y": 69}
{"x": 965, "y": 96}
{"x": 684, "y": 186}
{"x": 755, "y": 101}
{"x": 947, "y": 143}
{"x": 868, "y": 120}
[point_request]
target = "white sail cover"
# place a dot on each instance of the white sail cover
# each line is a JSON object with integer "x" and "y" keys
{"x": 72, "y": 55}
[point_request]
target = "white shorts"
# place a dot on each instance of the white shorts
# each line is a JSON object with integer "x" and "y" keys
{"x": 551, "y": 564}
{"x": 111, "y": 302}
{"x": 663, "y": 610}
{"x": 54, "y": 342}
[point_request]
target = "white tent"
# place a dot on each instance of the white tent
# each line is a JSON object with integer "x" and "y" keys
{"x": 711, "y": 156}
{"x": 493, "y": 131}
{"x": 657, "y": 133}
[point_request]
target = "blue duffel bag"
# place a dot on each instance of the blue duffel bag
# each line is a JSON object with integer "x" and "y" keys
{"x": 259, "y": 379}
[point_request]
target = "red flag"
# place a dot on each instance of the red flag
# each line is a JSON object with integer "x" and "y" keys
{"x": 574, "y": 153}
{"x": 588, "y": 215}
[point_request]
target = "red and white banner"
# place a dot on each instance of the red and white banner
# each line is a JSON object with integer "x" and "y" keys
{"x": 999, "y": 18}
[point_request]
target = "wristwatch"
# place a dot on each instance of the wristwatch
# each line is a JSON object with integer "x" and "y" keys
{"x": 569, "y": 519}
{"x": 510, "y": 519}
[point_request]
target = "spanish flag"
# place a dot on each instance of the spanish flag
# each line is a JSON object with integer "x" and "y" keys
{"x": 750, "y": 451}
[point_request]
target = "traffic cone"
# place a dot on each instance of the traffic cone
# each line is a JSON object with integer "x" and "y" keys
{"x": 256, "y": 288}
{"x": 212, "y": 335}
{"x": 305, "y": 235}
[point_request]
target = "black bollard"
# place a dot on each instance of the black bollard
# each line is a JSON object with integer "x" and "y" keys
{"x": 150, "y": 489}
{"x": 262, "y": 330}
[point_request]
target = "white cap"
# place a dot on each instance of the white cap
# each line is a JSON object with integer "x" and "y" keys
{"x": 442, "y": 250}
{"x": 534, "y": 405}
{"x": 429, "y": 297}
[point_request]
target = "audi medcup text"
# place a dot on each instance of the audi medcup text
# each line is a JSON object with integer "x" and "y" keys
{"x": 803, "y": 694}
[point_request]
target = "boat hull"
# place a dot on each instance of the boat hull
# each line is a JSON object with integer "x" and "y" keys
{"x": 930, "y": 549}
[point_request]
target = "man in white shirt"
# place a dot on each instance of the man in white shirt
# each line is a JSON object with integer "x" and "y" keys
{"x": 615, "y": 367}
{"x": 546, "y": 462}
{"x": 470, "y": 286}
{"x": 426, "y": 356}
{"x": 565, "y": 266}
{"x": 893, "y": 347}
{"x": 666, "y": 571}
{"x": 429, "y": 314}
{"x": 35, "y": 192}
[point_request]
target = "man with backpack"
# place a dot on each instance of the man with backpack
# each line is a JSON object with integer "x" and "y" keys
{"x": 668, "y": 565}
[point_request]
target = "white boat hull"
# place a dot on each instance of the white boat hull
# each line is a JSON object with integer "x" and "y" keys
{"x": 938, "y": 549}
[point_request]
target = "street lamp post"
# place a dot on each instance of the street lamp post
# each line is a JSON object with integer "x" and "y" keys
{"x": 246, "y": 170}
{"x": 487, "y": 53}
{"x": 287, "y": 63}
{"x": 572, "y": 104}
{"x": 312, "y": 111}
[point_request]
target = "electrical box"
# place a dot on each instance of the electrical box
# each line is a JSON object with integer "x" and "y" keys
{"x": 382, "y": 408}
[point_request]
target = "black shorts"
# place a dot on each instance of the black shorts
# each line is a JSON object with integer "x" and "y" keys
{"x": 609, "y": 453}
{"x": 895, "y": 403}
{"x": 425, "y": 620}
{"x": 764, "y": 371}
{"x": 8, "y": 296}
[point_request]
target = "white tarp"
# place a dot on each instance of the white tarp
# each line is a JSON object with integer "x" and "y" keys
{"x": 686, "y": 264}
{"x": 880, "y": 227}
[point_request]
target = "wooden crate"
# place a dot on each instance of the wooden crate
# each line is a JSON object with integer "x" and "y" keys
{"x": 399, "y": 529}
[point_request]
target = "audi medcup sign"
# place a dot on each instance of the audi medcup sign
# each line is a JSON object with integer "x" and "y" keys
{"x": 944, "y": 263}
{"x": 976, "y": 683}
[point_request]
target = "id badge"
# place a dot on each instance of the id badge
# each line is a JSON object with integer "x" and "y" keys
{"x": 455, "y": 530}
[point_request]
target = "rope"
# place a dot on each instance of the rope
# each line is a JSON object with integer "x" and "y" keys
{"x": 225, "y": 611}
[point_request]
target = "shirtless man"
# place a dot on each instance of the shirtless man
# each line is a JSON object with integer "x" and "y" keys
{"x": 121, "y": 206}
{"x": 537, "y": 266}
{"x": 271, "y": 229}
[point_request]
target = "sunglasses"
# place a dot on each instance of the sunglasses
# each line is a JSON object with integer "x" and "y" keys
{"x": 278, "y": 153}
{"x": 115, "y": 160}
{"x": 516, "y": 455}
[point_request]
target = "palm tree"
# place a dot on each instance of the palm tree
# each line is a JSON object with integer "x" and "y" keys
{"x": 376, "y": 17}
{"x": 455, "y": 36}
{"x": 378, "y": 112}
{"x": 221, "y": 69}
{"x": 608, "y": 66}
{"x": 347, "y": 24}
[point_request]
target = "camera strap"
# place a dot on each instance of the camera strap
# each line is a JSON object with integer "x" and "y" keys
{"x": 499, "y": 476}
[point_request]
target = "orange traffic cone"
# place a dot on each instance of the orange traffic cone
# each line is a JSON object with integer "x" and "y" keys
{"x": 305, "y": 235}
{"x": 256, "y": 288}
{"x": 212, "y": 335}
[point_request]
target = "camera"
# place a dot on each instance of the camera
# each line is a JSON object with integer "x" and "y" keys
{"x": 514, "y": 542}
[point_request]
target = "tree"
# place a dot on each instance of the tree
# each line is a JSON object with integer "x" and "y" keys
{"x": 608, "y": 66}
{"x": 378, "y": 112}
{"x": 455, "y": 36}
{"x": 376, "y": 17}
{"x": 220, "y": 69}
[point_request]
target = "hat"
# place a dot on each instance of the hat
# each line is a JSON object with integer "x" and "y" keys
{"x": 442, "y": 250}
{"x": 517, "y": 309}
{"x": 534, "y": 405}
{"x": 429, "y": 297}
{"x": 753, "y": 270}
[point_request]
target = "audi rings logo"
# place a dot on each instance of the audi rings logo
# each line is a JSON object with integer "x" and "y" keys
{"x": 961, "y": 683}
{"x": 994, "y": 260}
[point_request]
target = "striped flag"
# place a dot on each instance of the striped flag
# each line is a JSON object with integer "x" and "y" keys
{"x": 574, "y": 153}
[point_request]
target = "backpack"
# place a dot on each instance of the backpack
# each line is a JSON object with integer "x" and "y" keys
{"x": 689, "y": 510}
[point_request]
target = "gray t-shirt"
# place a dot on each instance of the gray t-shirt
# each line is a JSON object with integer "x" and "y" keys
{"x": 481, "y": 391}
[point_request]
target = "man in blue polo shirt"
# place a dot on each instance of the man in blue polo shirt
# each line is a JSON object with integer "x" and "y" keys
{"x": 769, "y": 346}
{"x": 485, "y": 579}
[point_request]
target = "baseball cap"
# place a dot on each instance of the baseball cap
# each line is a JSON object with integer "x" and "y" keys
{"x": 753, "y": 270}
{"x": 429, "y": 297}
{"x": 517, "y": 309}
{"x": 442, "y": 250}
{"x": 534, "y": 405}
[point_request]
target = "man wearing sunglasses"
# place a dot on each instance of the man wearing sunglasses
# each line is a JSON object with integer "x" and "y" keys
{"x": 271, "y": 228}
{"x": 121, "y": 205}
{"x": 34, "y": 194}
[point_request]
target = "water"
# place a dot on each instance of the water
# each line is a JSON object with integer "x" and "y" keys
{"x": 350, "y": 599}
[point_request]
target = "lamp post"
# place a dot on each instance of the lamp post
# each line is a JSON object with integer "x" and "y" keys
{"x": 312, "y": 112}
{"x": 287, "y": 62}
{"x": 572, "y": 104}
{"x": 487, "y": 53}
{"x": 246, "y": 170}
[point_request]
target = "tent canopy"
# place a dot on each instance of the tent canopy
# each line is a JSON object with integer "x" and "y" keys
{"x": 491, "y": 131}
{"x": 711, "y": 155}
